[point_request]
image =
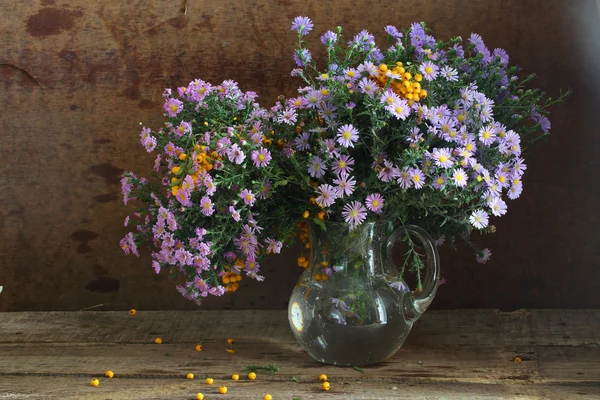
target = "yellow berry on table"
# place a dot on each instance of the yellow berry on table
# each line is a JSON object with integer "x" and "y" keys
{"x": 199, "y": 396}
{"x": 94, "y": 382}
{"x": 230, "y": 340}
{"x": 235, "y": 377}
{"x": 222, "y": 389}
{"x": 158, "y": 340}
{"x": 199, "y": 347}
{"x": 252, "y": 376}
{"x": 132, "y": 312}
{"x": 268, "y": 397}
{"x": 209, "y": 381}
{"x": 326, "y": 386}
{"x": 323, "y": 377}
{"x": 109, "y": 374}
{"x": 190, "y": 376}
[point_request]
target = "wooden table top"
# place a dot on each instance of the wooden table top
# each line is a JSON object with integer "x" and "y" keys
{"x": 467, "y": 354}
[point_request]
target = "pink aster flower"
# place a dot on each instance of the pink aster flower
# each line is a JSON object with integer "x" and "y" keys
{"x": 418, "y": 178}
{"x": 173, "y": 107}
{"x": 327, "y": 195}
{"x": 236, "y": 154}
{"x": 347, "y": 135}
{"x": 484, "y": 256}
{"x": 479, "y": 219}
{"x": 273, "y": 246}
{"x": 234, "y": 214}
{"x": 443, "y": 157}
{"x": 343, "y": 164}
{"x": 498, "y": 206}
{"x": 429, "y": 70}
{"x": 261, "y": 158}
{"x": 316, "y": 167}
{"x": 288, "y": 116}
{"x": 375, "y": 202}
{"x": 354, "y": 214}
{"x": 206, "y": 206}
{"x": 248, "y": 197}
{"x": 460, "y": 177}
{"x": 183, "y": 196}
{"x": 388, "y": 172}
{"x": 344, "y": 185}
{"x": 183, "y": 129}
{"x": 404, "y": 179}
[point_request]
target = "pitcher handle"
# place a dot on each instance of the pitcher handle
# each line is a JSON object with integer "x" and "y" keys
{"x": 415, "y": 303}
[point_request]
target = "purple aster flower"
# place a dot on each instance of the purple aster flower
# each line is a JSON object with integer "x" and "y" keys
{"x": 363, "y": 39}
{"x": 515, "y": 191}
{"x": 418, "y": 178}
{"x": 302, "y": 25}
{"x": 297, "y": 103}
{"x": 149, "y": 143}
{"x": 288, "y": 116}
{"x": 354, "y": 214}
{"x": 347, "y": 135}
{"x": 183, "y": 129}
{"x": 399, "y": 285}
{"x": 344, "y": 185}
{"x": 487, "y": 135}
{"x": 156, "y": 266}
{"x": 265, "y": 190}
{"x": 234, "y": 214}
{"x": 519, "y": 168}
{"x": 484, "y": 256}
{"x": 479, "y": 219}
{"x": 351, "y": 74}
{"x": 443, "y": 157}
{"x": 328, "y": 144}
{"x": 236, "y": 154}
{"x": 449, "y": 73}
{"x": 248, "y": 197}
{"x": 183, "y": 196}
{"x": 389, "y": 97}
{"x": 128, "y": 244}
{"x": 375, "y": 202}
{"x": 368, "y": 67}
{"x": 261, "y": 158}
{"x": 393, "y": 32}
{"x": 302, "y": 57}
{"x": 498, "y": 206}
{"x": 206, "y": 206}
{"x": 327, "y": 195}
{"x": 460, "y": 177}
{"x": 316, "y": 167}
{"x": 486, "y": 113}
{"x": 173, "y": 107}
{"x": 388, "y": 172}
{"x": 440, "y": 241}
{"x": 327, "y": 110}
{"x": 429, "y": 70}
{"x": 338, "y": 303}
{"x": 273, "y": 246}
{"x": 350, "y": 105}
{"x": 301, "y": 142}
{"x": 329, "y": 38}
{"x": 404, "y": 179}
{"x": 343, "y": 164}
{"x": 367, "y": 86}
{"x": 399, "y": 109}
{"x": 502, "y": 54}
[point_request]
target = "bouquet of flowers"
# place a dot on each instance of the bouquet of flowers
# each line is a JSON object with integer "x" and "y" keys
{"x": 425, "y": 132}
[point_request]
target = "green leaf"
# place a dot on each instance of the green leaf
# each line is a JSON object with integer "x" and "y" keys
{"x": 357, "y": 369}
{"x": 281, "y": 183}
{"x": 320, "y": 223}
{"x": 295, "y": 379}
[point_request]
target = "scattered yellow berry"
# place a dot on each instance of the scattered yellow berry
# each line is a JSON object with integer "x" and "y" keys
{"x": 232, "y": 351}
{"x": 235, "y": 377}
{"x": 383, "y": 68}
{"x": 199, "y": 396}
{"x": 158, "y": 340}
{"x": 323, "y": 377}
{"x": 252, "y": 376}
{"x": 268, "y": 397}
{"x": 176, "y": 170}
{"x": 222, "y": 389}
{"x": 132, "y": 312}
{"x": 199, "y": 347}
{"x": 325, "y": 386}
{"x": 230, "y": 340}
{"x": 518, "y": 359}
{"x": 306, "y": 214}
{"x": 109, "y": 374}
{"x": 190, "y": 376}
{"x": 95, "y": 382}
{"x": 209, "y": 381}
{"x": 418, "y": 77}
{"x": 321, "y": 215}
{"x": 183, "y": 156}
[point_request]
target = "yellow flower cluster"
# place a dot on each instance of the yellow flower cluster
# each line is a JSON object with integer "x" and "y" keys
{"x": 231, "y": 279}
{"x": 204, "y": 158}
{"x": 402, "y": 82}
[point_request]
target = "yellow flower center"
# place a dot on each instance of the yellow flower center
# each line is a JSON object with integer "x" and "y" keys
{"x": 261, "y": 157}
{"x": 443, "y": 159}
{"x": 399, "y": 110}
{"x": 416, "y": 178}
{"x": 354, "y": 213}
{"x": 249, "y": 197}
{"x": 440, "y": 180}
{"x": 486, "y": 135}
{"x": 469, "y": 146}
{"x": 342, "y": 164}
{"x": 375, "y": 203}
{"x": 428, "y": 70}
{"x": 350, "y": 74}
{"x": 347, "y": 135}
{"x": 173, "y": 107}
{"x": 502, "y": 179}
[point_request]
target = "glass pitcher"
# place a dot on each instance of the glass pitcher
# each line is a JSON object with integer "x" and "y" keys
{"x": 350, "y": 306}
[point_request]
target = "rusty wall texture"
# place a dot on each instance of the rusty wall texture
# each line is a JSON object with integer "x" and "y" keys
{"x": 78, "y": 77}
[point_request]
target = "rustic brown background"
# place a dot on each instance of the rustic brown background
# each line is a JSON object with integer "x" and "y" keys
{"x": 78, "y": 77}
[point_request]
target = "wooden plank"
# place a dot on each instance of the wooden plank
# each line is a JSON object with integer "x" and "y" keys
{"x": 77, "y": 388}
{"x": 77, "y": 77}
